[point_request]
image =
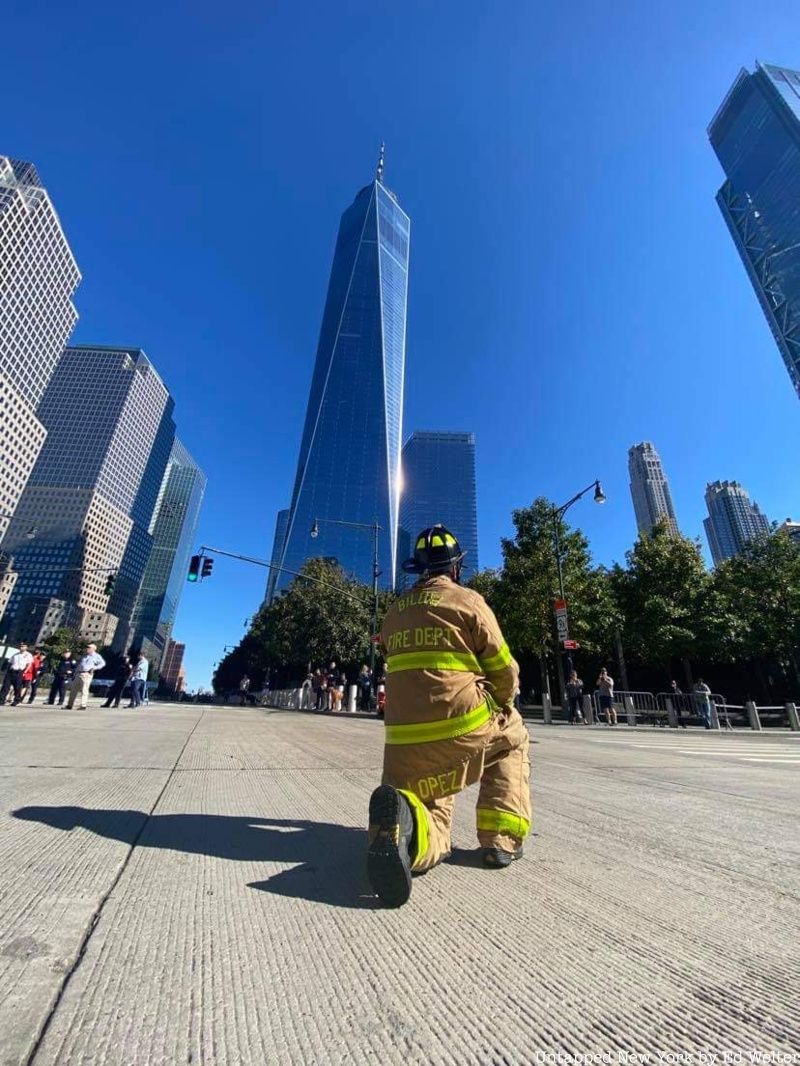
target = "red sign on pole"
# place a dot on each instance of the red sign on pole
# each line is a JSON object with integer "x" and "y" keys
{"x": 571, "y": 645}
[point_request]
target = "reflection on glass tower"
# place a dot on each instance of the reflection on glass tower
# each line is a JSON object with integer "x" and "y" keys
{"x": 756, "y": 135}
{"x": 439, "y": 486}
{"x": 349, "y": 463}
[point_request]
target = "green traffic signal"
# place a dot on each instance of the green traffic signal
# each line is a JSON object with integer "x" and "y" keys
{"x": 194, "y": 568}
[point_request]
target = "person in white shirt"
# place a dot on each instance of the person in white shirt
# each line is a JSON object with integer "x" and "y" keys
{"x": 139, "y": 680}
{"x": 20, "y": 661}
{"x": 84, "y": 672}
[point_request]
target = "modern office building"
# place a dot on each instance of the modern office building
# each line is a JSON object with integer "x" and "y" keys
{"x": 652, "y": 499}
{"x": 93, "y": 491}
{"x": 349, "y": 464}
{"x": 756, "y": 136}
{"x": 172, "y": 528}
{"x": 439, "y": 486}
{"x": 732, "y": 521}
{"x": 172, "y": 673}
{"x": 281, "y": 523}
{"x": 38, "y": 276}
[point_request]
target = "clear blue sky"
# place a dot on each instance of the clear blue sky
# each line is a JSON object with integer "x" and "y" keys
{"x": 573, "y": 288}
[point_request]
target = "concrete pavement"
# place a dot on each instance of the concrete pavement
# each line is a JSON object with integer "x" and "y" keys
{"x": 185, "y": 884}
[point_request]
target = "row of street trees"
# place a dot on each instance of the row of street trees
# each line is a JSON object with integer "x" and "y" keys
{"x": 738, "y": 625}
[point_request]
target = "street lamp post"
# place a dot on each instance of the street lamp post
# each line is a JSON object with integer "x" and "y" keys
{"x": 557, "y": 514}
{"x": 376, "y": 530}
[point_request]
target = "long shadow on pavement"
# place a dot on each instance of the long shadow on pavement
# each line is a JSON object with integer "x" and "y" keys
{"x": 327, "y": 861}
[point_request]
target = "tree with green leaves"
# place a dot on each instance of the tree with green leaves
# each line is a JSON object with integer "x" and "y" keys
{"x": 758, "y": 591}
{"x": 664, "y": 594}
{"x": 324, "y": 616}
{"x": 523, "y": 592}
{"x": 59, "y": 641}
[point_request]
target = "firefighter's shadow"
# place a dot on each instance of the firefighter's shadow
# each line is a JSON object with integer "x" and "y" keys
{"x": 324, "y": 862}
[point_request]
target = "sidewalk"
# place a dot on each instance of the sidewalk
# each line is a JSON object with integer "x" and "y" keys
{"x": 185, "y": 884}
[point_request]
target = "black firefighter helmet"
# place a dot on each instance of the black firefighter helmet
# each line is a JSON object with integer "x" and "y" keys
{"x": 436, "y": 551}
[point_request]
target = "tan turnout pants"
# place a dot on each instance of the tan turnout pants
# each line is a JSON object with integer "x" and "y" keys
{"x": 501, "y": 763}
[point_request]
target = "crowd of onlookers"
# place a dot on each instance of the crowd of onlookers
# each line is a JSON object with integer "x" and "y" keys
{"x": 699, "y": 700}
{"x": 71, "y": 677}
{"x": 326, "y": 689}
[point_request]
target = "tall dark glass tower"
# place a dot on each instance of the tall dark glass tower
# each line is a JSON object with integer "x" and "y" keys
{"x": 439, "y": 486}
{"x": 756, "y": 135}
{"x": 349, "y": 462}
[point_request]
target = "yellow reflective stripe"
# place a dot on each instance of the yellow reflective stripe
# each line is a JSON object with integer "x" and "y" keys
{"x": 449, "y": 539}
{"x": 503, "y": 822}
{"x": 496, "y": 662}
{"x": 433, "y": 660}
{"x": 421, "y": 542}
{"x": 441, "y": 729}
{"x": 436, "y": 541}
{"x": 420, "y": 821}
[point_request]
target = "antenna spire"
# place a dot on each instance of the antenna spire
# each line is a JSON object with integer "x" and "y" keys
{"x": 379, "y": 168}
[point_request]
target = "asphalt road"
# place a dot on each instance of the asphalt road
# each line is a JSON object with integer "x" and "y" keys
{"x": 184, "y": 884}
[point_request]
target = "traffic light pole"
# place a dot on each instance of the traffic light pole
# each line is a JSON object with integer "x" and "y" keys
{"x": 282, "y": 569}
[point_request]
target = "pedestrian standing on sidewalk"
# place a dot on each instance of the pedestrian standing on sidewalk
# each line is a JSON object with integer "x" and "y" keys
{"x": 20, "y": 661}
{"x": 364, "y": 688}
{"x": 574, "y": 695}
{"x": 333, "y": 685}
{"x": 703, "y": 701}
{"x": 605, "y": 685}
{"x": 316, "y": 688}
{"x": 244, "y": 688}
{"x": 89, "y": 662}
{"x": 123, "y": 672}
{"x": 62, "y": 675}
{"x": 31, "y": 675}
{"x": 139, "y": 674}
{"x": 677, "y": 702}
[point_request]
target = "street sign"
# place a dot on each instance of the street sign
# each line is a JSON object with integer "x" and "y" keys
{"x": 571, "y": 645}
{"x": 562, "y": 627}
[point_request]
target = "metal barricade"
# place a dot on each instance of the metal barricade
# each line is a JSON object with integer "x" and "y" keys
{"x": 630, "y": 706}
{"x": 686, "y": 705}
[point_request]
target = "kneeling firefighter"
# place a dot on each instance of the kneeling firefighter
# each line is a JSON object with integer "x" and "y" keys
{"x": 450, "y": 721}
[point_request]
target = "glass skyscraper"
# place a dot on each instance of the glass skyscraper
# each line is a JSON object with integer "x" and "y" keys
{"x": 172, "y": 529}
{"x": 349, "y": 463}
{"x": 281, "y": 523}
{"x": 652, "y": 499}
{"x": 93, "y": 490}
{"x": 439, "y": 486}
{"x": 38, "y": 276}
{"x": 756, "y": 135}
{"x": 733, "y": 519}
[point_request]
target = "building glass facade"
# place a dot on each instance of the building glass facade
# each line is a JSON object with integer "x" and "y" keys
{"x": 756, "y": 136}
{"x": 349, "y": 462}
{"x": 439, "y": 486}
{"x": 733, "y": 519}
{"x": 94, "y": 487}
{"x": 38, "y": 277}
{"x": 652, "y": 499}
{"x": 172, "y": 532}
{"x": 281, "y": 524}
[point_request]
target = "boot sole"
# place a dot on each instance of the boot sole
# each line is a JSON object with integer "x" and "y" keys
{"x": 388, "y": 861}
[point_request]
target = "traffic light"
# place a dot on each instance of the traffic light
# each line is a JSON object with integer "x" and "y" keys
{"x": 194, "y": 568}
{"x": 208, "y": 566}
{"x": 110, "y": 584}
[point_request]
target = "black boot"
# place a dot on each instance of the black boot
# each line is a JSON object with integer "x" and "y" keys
{"x": 498, "y": 858}
{"x": 391, "y": 841}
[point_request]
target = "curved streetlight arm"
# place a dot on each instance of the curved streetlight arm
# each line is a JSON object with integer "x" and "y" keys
{"x": 599, "y": 496}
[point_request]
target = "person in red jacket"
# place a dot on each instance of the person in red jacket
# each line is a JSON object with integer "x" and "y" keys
{"x": 30, "y": 677}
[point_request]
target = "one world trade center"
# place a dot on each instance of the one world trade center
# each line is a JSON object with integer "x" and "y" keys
{"x": 349, "y": 465}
